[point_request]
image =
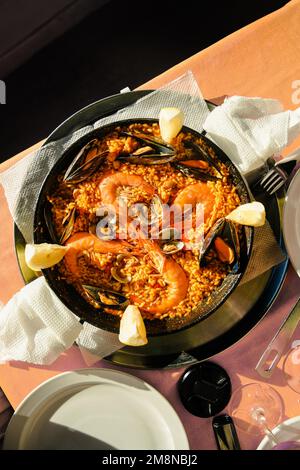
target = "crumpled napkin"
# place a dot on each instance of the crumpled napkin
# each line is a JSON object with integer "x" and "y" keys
{"x": 36, "y": 327}
{"x": 250, "y": 130}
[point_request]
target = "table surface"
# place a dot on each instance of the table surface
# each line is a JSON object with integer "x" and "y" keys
{"x": 262, "y": 59}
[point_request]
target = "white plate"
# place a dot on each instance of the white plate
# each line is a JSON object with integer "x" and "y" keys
{"x": 95, "y": 409}
{"x": 287, "y": 431}
{"x": 291, "y": 222}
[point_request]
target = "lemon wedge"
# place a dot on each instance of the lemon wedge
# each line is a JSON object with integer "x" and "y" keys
{"x": 252, "y": 214}
{"x": 170, "y": 123}
{"x": 44, "y": 255}
{"x": 132, "y": 327}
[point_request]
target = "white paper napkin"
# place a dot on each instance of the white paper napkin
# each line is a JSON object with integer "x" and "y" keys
{"x": 36, "y": 327}
{"x": 250, "y": 130}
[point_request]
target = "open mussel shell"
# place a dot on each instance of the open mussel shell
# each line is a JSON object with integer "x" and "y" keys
{"x": 158, "y": 145}
{"x": 49, "y": 221}
{"x": 153, "y": 159}
{"x": 152, "y": 152}
{"x": 106, "y": 298}
{"x": 80, "y": 158}
{"x": 194, "y": 172}
{"x": 210, "y": 237}
{"x": 82, "y": 167}
{"x": 169, "y": 240}
{"x": 68, "y": 223}
{"x": 239, "y": 253}
{"x": 200, "y": 153}
{"x": 224, "y": 238}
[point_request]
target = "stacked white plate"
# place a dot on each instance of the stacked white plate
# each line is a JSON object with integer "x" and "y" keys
{"x": 95, "y": 409}
{"x": 291, "y": 222}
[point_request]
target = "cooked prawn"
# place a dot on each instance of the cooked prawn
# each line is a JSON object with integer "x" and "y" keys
{"x": 195, "y": 194}
{"x": 109, "y": 186}
{"x": 172, "y": 274}
{"x": 84, "y": 241}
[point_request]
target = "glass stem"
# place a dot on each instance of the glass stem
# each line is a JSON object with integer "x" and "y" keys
{"x": 259, "y": 416}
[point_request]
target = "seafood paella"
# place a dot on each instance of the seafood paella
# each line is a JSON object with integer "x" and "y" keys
{"x": 144, "y": 222}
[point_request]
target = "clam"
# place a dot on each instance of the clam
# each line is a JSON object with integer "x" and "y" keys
{"x": 84, "y": 165}
{"x": 169, "y": 240}
{"x": 148, "y": 214}
{"x": 118, "y": 276}
{"x": 172, "y": 247}
{"x": 157, "y": 207}
{"x": 106, "y": 233}
{"x": 105, "y": 223}
{"x": 106, "y": 298}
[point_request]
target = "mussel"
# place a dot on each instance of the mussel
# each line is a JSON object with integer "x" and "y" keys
{"x": 169, "y": 241}
{"x": 68, "y": 224}
{"x": 199, "y": 153}
{"x": 153, "y": 151}
{"x": 86, "y": 162}
{"x": 106, "y": 298}
{"x": 49, "y": 221}
{"x": 223, "y": 238}
{"x": 194, "y": 172}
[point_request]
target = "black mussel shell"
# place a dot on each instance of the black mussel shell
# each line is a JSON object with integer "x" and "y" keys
{"x": 68, "y": 226}
{"x": 215, "y": 230}
{"x": 49, "y": 221}
{"x": 107, "y": 298}
{"x": 153, "y": 159}
{"x": 201, "y": 154}
{"x": 194, "y": 172}
{"x": 80, "y": 169}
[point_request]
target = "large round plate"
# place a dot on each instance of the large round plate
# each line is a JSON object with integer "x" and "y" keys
{"x": 237, "y": 316}
{"x": 120, "y": 412}
{"x": 291, "y": 222}
{"x": 289, "y": 430}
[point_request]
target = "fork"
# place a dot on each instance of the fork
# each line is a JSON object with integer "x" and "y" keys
{"x": 276, "y": 177}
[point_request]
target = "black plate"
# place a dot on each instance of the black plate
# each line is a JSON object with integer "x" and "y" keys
{"x": 75, "y": 302}
{"x": 238, "y": 315}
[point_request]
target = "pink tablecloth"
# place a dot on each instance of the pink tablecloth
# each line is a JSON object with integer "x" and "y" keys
{"x": 18, "y": 379}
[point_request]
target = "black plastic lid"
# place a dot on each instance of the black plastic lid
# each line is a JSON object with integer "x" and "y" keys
{"x": 205, "y": 389}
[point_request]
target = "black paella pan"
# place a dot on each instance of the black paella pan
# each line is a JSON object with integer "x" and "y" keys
{"x": 76, "y": 303}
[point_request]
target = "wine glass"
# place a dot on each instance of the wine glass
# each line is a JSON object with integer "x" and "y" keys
{"x": 291, "y": 368}
{"x": 256, "y": 409}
